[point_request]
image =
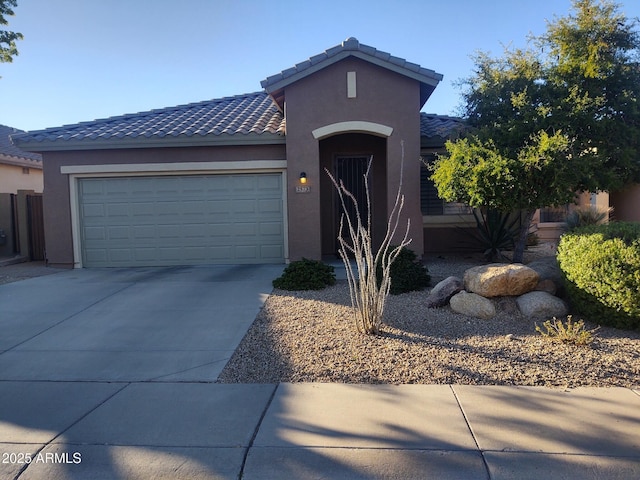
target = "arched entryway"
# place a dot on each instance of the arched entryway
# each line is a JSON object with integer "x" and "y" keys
{"x": 346, "y": 156}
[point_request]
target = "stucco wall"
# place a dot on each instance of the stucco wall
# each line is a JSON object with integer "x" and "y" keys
{"x": 57, "y": 204}
{"x": 382, "y": 97}
{"x": 13, "y": 178}
{"x": 626, "y": 204}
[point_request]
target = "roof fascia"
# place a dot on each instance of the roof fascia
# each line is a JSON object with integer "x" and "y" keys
{"x": 120, "y": 143}
{"x": 431, "y": 80}
{"x": 20, "y": 161}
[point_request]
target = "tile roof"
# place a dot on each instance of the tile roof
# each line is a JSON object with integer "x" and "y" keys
{"x": 10, "y": 153}
{"x": 428, "y": 79}
{"x": 236, "y": 118}
{"x": 441, "y": 126}
{"x": 230, "y": 119}
{"x": 351, "y": 45}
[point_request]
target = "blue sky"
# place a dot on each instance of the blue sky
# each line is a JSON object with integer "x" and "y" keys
{"x": 86, "y": 59}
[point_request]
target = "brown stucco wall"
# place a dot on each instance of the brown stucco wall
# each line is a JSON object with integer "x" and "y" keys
{"x": 383, "y": 97}
{"x": 56, "y": 201}
{"x": 626, "y": 204}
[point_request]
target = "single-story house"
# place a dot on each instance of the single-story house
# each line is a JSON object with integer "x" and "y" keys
{"x": 242, "y": 179}
{"x": 19, "y": 169}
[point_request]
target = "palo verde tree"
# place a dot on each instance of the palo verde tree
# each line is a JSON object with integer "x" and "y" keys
{"x": 561, "y": 116}
{"x": 8, "y": 39}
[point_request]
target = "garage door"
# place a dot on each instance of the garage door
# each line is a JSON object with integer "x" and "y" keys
{"x": 181, "y": 220}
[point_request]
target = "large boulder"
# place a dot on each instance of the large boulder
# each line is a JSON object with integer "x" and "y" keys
{"x": 547, "y": 285}
{"x": 443, "y": 291}
{"x": 472, "y": 305}
{"x": 500, "y": 279}
{"x": 541, "y": 305}
{"x": 550, "y": 274}
{"x": 547, "y": 268}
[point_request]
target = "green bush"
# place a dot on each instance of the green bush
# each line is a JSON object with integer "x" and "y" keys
{"x": 306, "y": 274}
{"x": 601, "y": 266}
{"x": 407, "y": 273}
{"x": 583, "y": 216}
{"x": 571, "y": 332}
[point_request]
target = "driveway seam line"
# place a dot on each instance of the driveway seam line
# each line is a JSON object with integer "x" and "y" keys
{"x": 255, "y": 431}
{"x": 475, "y": 440}
{"x": 65, "y": 319}
{"x": 50, "y": 442}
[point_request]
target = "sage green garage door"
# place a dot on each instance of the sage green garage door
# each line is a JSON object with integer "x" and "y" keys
{"x": 181, "y": 220}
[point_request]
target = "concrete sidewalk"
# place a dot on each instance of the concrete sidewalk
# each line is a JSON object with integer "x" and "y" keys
{"x": 193, "y": 431}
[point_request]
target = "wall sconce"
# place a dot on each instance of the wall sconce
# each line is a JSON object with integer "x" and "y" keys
{"x": 303, "y": 178}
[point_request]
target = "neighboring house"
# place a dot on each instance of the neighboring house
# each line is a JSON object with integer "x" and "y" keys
{"x": 19, "y": 169}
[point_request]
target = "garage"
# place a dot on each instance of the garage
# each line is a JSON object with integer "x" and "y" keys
{"x": 181, "y": 219}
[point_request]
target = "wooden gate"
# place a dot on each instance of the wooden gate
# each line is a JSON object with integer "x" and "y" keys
{"x": 35, "y": 222}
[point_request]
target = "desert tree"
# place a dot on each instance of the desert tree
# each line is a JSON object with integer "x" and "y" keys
{"x": 558, "y": 117}
{"x": 8, "y": 48}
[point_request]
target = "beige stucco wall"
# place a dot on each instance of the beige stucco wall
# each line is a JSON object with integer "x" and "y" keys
{"x": 382, "y": 97}
{"x": 57, "y": 204}
{"x": 13, "y": 178}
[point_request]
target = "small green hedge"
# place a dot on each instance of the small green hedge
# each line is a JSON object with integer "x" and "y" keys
{"x": 601, "y": 266}
{"x": 306, "y": 274}
{"x": 407, "y": 273}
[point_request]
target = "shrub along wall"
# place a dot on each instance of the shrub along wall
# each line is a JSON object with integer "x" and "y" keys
{"x": 601, "y": 266}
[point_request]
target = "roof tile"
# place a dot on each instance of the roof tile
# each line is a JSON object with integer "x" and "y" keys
{"x": 9, "y": 149}
{"x": 443, "y": 126}
{"x": 253, "y": 113}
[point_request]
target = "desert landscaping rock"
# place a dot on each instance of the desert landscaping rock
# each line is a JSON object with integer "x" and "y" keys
{"x": 547, "y": 268}
{"x": 311, "y": 337}
{"x": 472, "y": 305}
{"x": 500, "y": 279}
{"x": 443, "y": 291}
{"x": 546, "y": 285}
{"x": 541, "y": 305}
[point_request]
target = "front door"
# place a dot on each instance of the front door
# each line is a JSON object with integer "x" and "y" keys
{"x": 351, "y": 170}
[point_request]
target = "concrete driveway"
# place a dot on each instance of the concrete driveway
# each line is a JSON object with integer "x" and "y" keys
{"x": 174, "y": 324}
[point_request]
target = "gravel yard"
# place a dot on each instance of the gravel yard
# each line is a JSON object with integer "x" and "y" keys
{"x": 310, "y": 337}
{"x": 23, "y": 271}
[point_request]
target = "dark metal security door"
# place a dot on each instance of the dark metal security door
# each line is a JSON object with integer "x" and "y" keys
{"x": 351, "y": 171}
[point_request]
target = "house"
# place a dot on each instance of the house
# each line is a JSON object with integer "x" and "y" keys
{"x": 242, "y": 179}
{"x": 19, "y": 169}
{"x": 21, "y": 184}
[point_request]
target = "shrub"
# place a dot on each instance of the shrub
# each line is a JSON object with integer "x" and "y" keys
{"x": 305, "y": 274}
{"x": 496, "y": 231}
{"x": 572, "y": 332}
{"x": 591, "y": 215}
{"x": 601, "y": 266}
{"x": 407, "y": 273}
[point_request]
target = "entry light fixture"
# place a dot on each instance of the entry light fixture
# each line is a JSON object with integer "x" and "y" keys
{"x": 303, "y": 177}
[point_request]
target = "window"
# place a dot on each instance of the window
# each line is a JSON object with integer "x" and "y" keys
{"x": 25, "y": 170}
{"x": 554, "y": 214}
{"x": 430, "y": 203}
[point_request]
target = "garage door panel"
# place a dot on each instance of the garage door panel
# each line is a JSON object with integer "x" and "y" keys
{"x": 174, "y": 220}
{"x": 96, "y": 233}
{"x": 121, "y": 210}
